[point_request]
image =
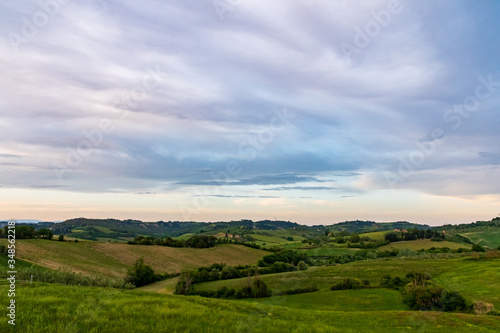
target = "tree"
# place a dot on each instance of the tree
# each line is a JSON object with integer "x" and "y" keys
{"x": 355, "y": 238}
{"x": 391, "y": 237}
{"x": 478, "y": 248}
{"x": 260, "y": 289}
{"x": 46, "y": 233}
{"x": 453, "y": 301}
{"x": 184, "y": 284}
{"x": 61, "y": 238}
{"x": 140, "y": 274}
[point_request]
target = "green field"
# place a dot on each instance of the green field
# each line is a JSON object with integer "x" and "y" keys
{"x": 378, "y": 235}
{"x": 330, "y": 251}
{"x": 113, "y": 259}
{"x": 489, "y": 238}
{"x": 53, "y": 308}
{"x": 340, "y": 300}
{"x": 420, "y": 244}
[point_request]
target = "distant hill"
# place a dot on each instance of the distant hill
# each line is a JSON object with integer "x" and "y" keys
{"x": 370, "y": 226}
{"x": 114, "y": 229}
{"x": 94, "y": 229}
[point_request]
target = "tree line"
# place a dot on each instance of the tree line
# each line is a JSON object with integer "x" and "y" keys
{"x": 414, "y": 234}
{"x": 27, "y": 232}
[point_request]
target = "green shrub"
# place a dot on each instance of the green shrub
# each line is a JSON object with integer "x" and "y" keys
{"x": 140, "y": 274}
{"x": 452, "y": 301}
{"x": 302, "y": 266}
{"x": 478, "y": 248}
{"x": 346, "y": 284}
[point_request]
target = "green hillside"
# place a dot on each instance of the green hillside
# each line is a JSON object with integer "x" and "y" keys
{"x": 113, "y": 259}
{"x": 456, "y": 274}
{"x": 51, "y": 308}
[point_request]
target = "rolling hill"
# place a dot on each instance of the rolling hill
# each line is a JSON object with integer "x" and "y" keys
{"x": 113, "y": 259}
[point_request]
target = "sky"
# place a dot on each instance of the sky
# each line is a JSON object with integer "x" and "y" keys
{"x": 311, "y": 111}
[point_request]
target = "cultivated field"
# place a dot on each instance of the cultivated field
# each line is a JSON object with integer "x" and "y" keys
{"x": 113, "y": 259}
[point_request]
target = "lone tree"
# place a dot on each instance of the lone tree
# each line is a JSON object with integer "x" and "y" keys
{"x": 140, "y": 274}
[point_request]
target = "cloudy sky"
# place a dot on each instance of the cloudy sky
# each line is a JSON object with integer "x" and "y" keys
{"x": 312, "y": 111}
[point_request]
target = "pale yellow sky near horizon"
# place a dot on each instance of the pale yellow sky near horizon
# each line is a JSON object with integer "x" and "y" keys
{"x": 55, "y": 205}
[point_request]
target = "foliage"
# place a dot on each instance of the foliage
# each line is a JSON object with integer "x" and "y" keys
{"x": 347, "y": 283}
{"x": 302, "y": 266}
{"x": 295, "y": 291}
{"x": 198, "y": 242}
{"x": 27, "y": 232}
{"x": 140, "y": 274}
{"x": 286, "y": 256}
{"x": 414, "y": 234}
{"x": 434, "y": 298}
{"x": 478, "y": 248}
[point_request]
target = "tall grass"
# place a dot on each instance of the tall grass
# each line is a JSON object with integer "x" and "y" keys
{"x": 51, "y": 308}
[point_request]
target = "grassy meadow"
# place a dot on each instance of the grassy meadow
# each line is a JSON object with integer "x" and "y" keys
{"x": 55, "y": 308}
{"x": 423, "y": 244}
{"x": 488, "y": 238}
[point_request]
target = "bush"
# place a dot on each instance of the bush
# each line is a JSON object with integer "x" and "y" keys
{"x": 406, "y": 253}
{"x": 452, "y": 301}
{"x": 434, "y": 298}
{"x": 302, "y": 266}
{"x": 393, "y": 283}
{"x": 482, "y": 308}
{"x": 61, "y": 238}
{"x": 478, "y": 248}
{"x": 346, "y": 284}
{"x": 423, "y": 297}
{"x": 260, "y": 289}
{"x": 298, "y": 291}
{"x": 245, "y": 292}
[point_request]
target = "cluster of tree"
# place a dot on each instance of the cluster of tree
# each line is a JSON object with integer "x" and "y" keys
{"x": 141, "y": 274}
{"x": 347, "y": 283}
{"x": 285, "y": 256}
{"x": 26, "y": 232}
{"x": 283, "y": 261}
{"x": 198, "y": 242}
{"x": 420, "y": 294}
{"x": 223, "y": 272}
{"x": 414, "y": 234}
{"x": 258, "y": 290}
